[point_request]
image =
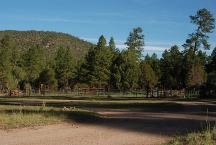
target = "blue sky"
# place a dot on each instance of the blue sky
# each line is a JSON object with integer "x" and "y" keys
{"x": 165, "y": 22}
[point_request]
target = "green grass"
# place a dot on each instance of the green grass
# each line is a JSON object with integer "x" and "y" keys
{"x": 138, "y": 104}
{"x": 206, "y": 137}
{"x": 26, "y": 116}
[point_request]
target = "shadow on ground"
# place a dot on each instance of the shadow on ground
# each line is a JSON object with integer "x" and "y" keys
{"x": 138, "y": 106}
{"x": 152, "y": 124}
{"x": 164, "y": 125}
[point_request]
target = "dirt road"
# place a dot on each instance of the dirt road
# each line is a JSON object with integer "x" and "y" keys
{"x": 65, "y": 134}
{"x": 117, "y": 128}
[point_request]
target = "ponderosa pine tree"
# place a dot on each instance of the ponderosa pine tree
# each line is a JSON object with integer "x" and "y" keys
{"x": 47, "y": 77}
{"x": 64, "y": 67}
{"x": 204, "y": 21}
{"x": 210, "y": 87}
{"x": 166, "y": 76}
{"x": 112, "y": 45}
{"x": 11, "y": 72}
{"x": 211, "y": 67}
{"x": 171, "y": 69}
{"x": 125, "y": 71}
{"x": 113, "y": 82}
{"x": 103, "y": 59}
{"x": 95, "y": 70}
{"x": 154, "y": 62}
{"x": 135, "y": 41}
{"x": 130, "y": 70}
{"x": 116, "y": 71}
{"x": 197, "y": 76}
{"x": 84, "y": 71}
{"x": 34, "y": 61}
{"x": 148, "y": 79}
{"x": 6, "y": 77}
{"x": 127, "y": 75}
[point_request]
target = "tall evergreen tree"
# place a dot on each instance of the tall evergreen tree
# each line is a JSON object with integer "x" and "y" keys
{"x": 6, "y": 77}
{"x": 112, "y": 44}
{"x": 96, "y": 67}
{"x": 116, "y": 71}
{"x": 154, "y": 62}
{"x": 126, "y": 65}
{"x": 33, "y": 62}
{"x": 212, "y": 64}
{"x": 11, "y": 72}
{"x": 171, "y": 69}
{"x": 211, "y": 76}
{"x": 135, "y": 41}
{"x": 84, "y": 72}
{"x": 129, "y": 70}
{"x": 47, "y": 77}
{"x": 125, "y": 71}
{"x": 147, "y": 79}
{"x": 197, "y": 76}
{"x": 64, "y": 67}
{"x": 204, "y": 21}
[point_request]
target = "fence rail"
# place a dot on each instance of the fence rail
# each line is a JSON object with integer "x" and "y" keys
{"x": 107, "y": 92}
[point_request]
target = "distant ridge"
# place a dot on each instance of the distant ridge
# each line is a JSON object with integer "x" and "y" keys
{"x": 50, "y": 41}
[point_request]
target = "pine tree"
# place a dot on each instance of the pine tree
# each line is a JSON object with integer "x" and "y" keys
{"x": 128, "y": 71}
{"x": 95, "y": 70}
{"x": 171, "y": 69}
{"x": 112, "y": 45}
{"x": 212, "y": 64}
{"x": 6, "y": 77}
{"x": 47, "y": 77}
{"x": 84, "y": 72}
{"x": 154, "y": 62}
{"x": 116, "y": 69}
{"x": 33, "y": 63}
{"x": 101, "y": 66}
{"x": 191, "y": 60}
{"x": 135, "y": 41}
{"x": 11, "y": 72}
{"x": 64, "y": 67}
{"x": 197, "y": 76}
{"x": 204, "y": 21}
{"x": 147, "y": 77}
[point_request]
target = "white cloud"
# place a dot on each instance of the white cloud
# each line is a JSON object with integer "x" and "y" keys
{"x": 150, "y": 46}
{"x": 155, "y": 48}
{"x": 146, "y": 48}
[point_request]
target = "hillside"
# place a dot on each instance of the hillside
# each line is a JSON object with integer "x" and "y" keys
{"x": 48, "y": 40}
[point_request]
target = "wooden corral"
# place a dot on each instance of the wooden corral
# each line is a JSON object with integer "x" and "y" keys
{"x": 43, "y": 89}
{"x": 90, "y": 91}
{"x": 14, "y": 93}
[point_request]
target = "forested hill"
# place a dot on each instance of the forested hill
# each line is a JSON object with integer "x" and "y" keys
{"x": 48, "y": 40}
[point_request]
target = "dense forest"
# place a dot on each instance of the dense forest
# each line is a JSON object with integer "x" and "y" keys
{"x": 33, "y": 58}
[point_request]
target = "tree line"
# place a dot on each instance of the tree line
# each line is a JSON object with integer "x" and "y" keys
{"x": 105, "y": 66}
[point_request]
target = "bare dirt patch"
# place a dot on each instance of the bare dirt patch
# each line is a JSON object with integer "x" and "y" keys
{"x": 116, "y": 128}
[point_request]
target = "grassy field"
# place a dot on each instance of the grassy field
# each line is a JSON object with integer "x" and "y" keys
{"x": 206, "y": 137}
{"x": 30, "y": 116}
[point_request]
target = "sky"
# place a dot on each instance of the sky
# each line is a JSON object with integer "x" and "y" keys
{"x": 164, "y": 22}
